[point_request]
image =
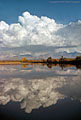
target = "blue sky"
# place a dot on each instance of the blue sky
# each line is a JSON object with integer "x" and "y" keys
{"x": 32, "y": 30}
{"x": 61, "y": 12}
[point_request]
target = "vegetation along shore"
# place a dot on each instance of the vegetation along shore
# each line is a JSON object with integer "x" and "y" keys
{"x": 62, "y": 60}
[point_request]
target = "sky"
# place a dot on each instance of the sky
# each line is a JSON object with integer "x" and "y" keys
{"x": 54, "y": 25}
{"x": 63, "y": 11}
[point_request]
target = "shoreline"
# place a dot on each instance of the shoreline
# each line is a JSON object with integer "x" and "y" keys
{"x": 61, "y": 60}
{"x": 50, "y": 60}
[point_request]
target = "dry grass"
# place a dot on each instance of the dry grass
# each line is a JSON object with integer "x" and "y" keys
{"x": 17, "y": 62}
{"x": 9, "y": 63}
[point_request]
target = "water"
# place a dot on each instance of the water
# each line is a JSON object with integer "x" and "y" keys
{"x": 40, "y": 92}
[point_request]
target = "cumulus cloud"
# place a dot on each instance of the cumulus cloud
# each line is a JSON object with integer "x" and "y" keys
{"x": 32, "y": 30}
{"x": 3, "y": 26}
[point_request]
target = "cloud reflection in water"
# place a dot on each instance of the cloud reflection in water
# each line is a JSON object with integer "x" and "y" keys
{"x": 42, "y": 90}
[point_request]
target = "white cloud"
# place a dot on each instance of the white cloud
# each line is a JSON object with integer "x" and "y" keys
{"x": 32, "y": 30}
{"x": 3, "y": 26}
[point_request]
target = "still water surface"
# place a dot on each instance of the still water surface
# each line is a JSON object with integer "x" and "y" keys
{"x": 39, "y": 93}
